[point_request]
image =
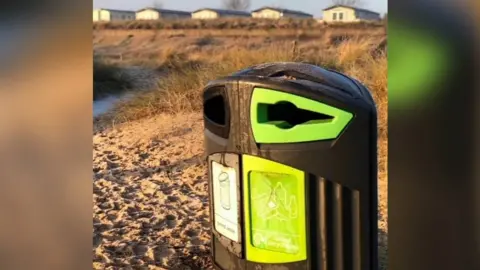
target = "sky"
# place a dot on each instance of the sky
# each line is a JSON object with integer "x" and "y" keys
{"x": 310, "y": 6}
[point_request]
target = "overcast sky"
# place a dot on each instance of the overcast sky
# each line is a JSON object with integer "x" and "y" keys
{"x": 311, "y": 6}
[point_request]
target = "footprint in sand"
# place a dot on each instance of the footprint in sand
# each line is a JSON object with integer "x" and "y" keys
{"x": 195, "y": 241}
{"x": 162, "y": 252}
{"x": 173, "y": 198}
{"x": 191, "y": 233}
{"x": 140, "y": 250}
{"x": 171, "y": 221}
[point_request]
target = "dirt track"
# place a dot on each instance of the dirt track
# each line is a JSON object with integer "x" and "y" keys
{"x": 150, "y": 196}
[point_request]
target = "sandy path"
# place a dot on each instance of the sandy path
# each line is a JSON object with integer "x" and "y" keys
{"x": 150, "y": 196}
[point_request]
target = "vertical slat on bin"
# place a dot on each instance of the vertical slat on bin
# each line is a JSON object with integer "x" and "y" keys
{"x": 323, "y": 223}
{"x": 348, "y": 228}
{"x": 315, "y": 189}
{"x": 355, "y": 206}
{"x": 341, "y": 216}
{"x": 337, "y": 226}
{"x": 330, "y": 225}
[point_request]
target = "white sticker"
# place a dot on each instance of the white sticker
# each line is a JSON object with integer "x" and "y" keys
{"x": 225, "y": 201}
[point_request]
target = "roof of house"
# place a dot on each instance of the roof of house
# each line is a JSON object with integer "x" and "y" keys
{"x": 284, "y": 10}
{"x": 354, "y": 8}
{"x": 116, "y": 10}
{"x": 161, "y": 10}
{"x": 224, "y": 11}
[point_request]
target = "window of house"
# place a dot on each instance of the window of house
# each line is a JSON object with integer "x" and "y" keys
{"x": 340, "y": 16}
{"x": 334, "y": 16}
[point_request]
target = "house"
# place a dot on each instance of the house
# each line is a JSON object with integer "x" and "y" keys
{"x": 104, "y": 14}
{"x": 343, "y": 13}
{"x": 211, "y": 13}
{"x": 277, "y": 13}
{"x": 156, "y": 14}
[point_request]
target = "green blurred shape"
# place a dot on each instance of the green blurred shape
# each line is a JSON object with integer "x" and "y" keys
{"x": 417, "y": 60}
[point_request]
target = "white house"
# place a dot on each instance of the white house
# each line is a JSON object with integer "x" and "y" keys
{"x": 104, "y": 14}
{"x": 212, "y": 13}
{"x": 277, "y": 13}
{"x": 157, "y": 14}
{"x": 342, "y": 13}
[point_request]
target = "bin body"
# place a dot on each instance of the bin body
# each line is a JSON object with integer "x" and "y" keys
{"x": 299, "y": 146}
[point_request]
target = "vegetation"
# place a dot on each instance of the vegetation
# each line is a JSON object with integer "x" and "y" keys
{"x": 107, "y": 80}
{"x": 231, "y": 23}
{"x": 189, "y": 67}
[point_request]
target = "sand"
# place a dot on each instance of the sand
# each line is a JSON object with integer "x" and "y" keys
{"x": 150, "y": 196}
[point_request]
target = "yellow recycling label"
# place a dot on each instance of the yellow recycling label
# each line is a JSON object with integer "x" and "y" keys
{"x": 274, "y": 211}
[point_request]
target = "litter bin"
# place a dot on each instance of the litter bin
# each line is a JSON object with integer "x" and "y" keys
{"x": 292, "y": 162}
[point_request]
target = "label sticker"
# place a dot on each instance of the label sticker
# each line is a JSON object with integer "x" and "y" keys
{"x": 275, "y": 212}
{"x": 225, "y": 203}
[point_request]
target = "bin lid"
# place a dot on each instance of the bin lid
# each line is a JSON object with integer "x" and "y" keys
{"x": 310, "y": 76}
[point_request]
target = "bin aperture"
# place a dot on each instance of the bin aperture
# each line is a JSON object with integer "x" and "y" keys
{"x": 214, "y": 109}
{"x": 274, "y": 211}
{"x": 216, "y": 113}
{"x": 285, "y": 115}
{"x": 309, "y": 120}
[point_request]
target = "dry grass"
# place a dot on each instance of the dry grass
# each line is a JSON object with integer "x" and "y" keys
{"x": 189, "y": 71}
